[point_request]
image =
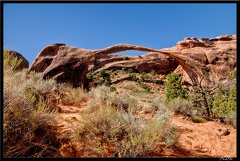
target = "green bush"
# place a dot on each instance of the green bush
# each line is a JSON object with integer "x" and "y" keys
{"x": 89, "y": 76}
{"x": 232, "y": 74}
{"x": 133, "y": 77}
{"x": 130, "y": 70}
{"x": 153, "y": 73}
{"x": 113, "y": 89}
{"x": 144, "y": 76}
{"x": 103, "y": 72}
{"x": 225, "y": 100}
{"x": 224, "y": 103}
{"x": 173, "y": 87}
{"x": 126, "y": 58}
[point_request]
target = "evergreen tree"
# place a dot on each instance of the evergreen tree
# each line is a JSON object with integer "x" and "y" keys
{"x": 173, "y": 87}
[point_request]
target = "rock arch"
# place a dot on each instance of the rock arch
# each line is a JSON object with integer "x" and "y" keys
{"x": 70, "y": 64}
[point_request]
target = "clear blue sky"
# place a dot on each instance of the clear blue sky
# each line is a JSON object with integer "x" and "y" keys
{"x": 28, "y": 28}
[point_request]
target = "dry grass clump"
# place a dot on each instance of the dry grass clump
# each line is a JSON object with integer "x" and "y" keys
{"x": 184, "y": 107}
{"x": 27, "y": 120}
{"x": 109, "y": 131}
{"x": 73, "y": 96}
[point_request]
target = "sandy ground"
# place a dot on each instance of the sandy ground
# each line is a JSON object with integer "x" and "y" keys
{"x": 206, "y": 139}
{"x": 195, "y": 139}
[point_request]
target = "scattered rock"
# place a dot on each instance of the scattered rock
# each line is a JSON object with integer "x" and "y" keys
{"x": 223, "y": 132}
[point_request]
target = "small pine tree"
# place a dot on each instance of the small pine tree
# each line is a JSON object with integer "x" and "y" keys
{"x": 173, "y": 87}
{"x": 225, "y": 100}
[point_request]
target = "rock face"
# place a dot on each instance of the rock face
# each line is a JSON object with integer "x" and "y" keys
{"x": 207, "y": 59}
{"x": 70, "y": 64}
{"x": 160, "y": 66}
{"x": 23, "y": 64}
{"x": 212, "y": 59}
{"x": 45, "y": 58}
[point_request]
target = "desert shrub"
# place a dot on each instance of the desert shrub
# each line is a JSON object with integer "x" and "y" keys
{"x": 126, "y": 58}
{"x": 89, "y": 76}
{"x": 103, "y": 73}
{"x": 23, "y": 125}
{"x": 158, "y": 105}
{"x": 121, "y": 102}
{"x": 102, "y": 95}
{"x": 111, "y": 127}
{"x": 75, "y": 96}
{"x": 130, "y": 70}
{"x": 26, "y": 115}
{"x": 231, "y": 118}
{"x": 225, "y": 105}
{"x": 124, "y": 69}
{"x": 126, "y": 135}
{"x": 133, "y": 77}
{"x": 106, "y": 82}
{"x": 225, "y": 100}
{"x": 184, "y": 107}
{"x": 144, "y": 86}
{"x": 10, "y": 61}
{"x": 99, "y": 95}
{"x": 153, "y": 72}
{"x": 144, "y": 76}
{"x": 143, "y": 136}
{"x": 173, "y": 87}
{"x": 113, "y": 89}
{"x": 232, "y": 74}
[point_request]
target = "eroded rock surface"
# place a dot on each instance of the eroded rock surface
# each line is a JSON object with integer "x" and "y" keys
{"x": 210, "y": 59}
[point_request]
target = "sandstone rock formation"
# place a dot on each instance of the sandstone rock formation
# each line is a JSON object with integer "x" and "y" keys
{"x": 23, "y": 64}
{"x": 212, "y": 60}
{"x": 71, "y": 64}
{"x": 160, "y": 66}
{"x": 207, "y": 59}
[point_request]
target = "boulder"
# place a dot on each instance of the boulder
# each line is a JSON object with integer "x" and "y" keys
{"x": 23, "y": 64}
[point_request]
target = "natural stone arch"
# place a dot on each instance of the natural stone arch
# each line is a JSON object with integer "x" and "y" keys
{"x": 70, "y": 64}
{"x": 172, "y": 54}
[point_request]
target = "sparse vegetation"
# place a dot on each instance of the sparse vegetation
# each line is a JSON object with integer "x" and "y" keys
{"x": 112, "y": 89}
{"x": 184, "y": 107}
{"x": 74, "y": 96}
{"x": 114, "y": 122}
{"x": 27, "y": 118}
{"x": 126, "y": 58}
{"x": 225, "y": 100}
{"x": 103, "y": 73}
{"x": 126, "y": 135}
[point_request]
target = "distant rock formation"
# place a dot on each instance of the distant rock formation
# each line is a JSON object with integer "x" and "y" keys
{"x": 210, "y": 59}
{"x": 23, "y": 64}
